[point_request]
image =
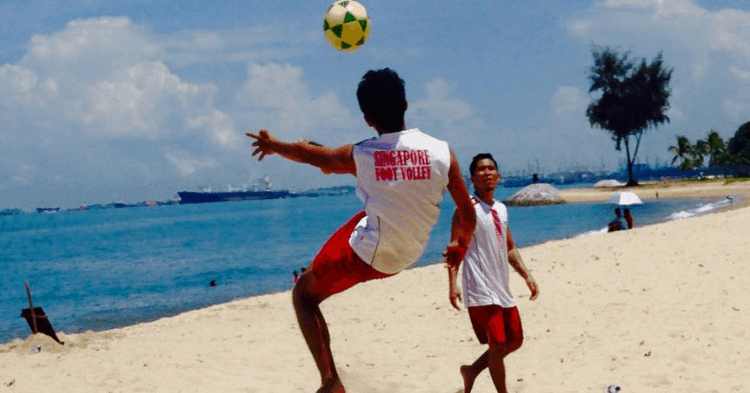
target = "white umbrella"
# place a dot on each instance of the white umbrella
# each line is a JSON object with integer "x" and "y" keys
{"x": 624, "y": 198}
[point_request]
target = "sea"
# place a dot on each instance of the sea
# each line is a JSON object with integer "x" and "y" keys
{"x": 108, "y": 268}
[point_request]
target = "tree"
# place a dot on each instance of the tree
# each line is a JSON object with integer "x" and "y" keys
{"x": 700, "y": 149}
{"x": 739, "y": 149}
{"x": 683, "y": 151}
{"x": 716, "y": 149}
{"x": 634, "y": 98}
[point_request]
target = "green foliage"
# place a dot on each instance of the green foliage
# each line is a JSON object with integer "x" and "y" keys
{"x": 683, "y": 151}
{"x": 735, "y": 154}
{"x": 739, "y": 146}
{"x": 635, "y": 97}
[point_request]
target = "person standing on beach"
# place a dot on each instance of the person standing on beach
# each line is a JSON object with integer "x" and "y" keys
{"x": 486, "y": 280}
{"x": 401, "y": 176}
{"x": 628, "y": 218}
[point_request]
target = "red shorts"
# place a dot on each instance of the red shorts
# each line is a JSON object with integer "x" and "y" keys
{"x": 337, "y": 267}
{"x": 496, "y": 324}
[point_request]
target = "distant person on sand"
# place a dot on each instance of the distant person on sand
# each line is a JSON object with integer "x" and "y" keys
{"x": 296, "y": 277}
{"x": 628, "y": 218}
{"x": 401, "y": 176}
{"x": 486, "y": 278}
{"x": 618, "y": 224}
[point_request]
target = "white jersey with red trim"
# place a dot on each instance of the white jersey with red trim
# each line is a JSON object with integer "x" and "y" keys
{"x": 486, "y": 271}
{"x": 401, "y": 178}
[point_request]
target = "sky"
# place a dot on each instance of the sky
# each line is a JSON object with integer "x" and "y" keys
{"x": 127, "y": 101}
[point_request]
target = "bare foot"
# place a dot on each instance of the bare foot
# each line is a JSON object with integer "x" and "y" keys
{"x": 332, "y": 386}
{"x": 469, "y": 378}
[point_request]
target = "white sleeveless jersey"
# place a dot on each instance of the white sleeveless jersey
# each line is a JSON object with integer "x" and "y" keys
{"x": 401, "y": 178}
{"x": 486, "y": 272}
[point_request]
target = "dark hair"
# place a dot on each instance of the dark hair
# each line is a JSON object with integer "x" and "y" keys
{"x": 382, "y": 98}
{"x": 626, "y": 211}
{"x": 617, "y": 211}
{"x": 477, "y": 158}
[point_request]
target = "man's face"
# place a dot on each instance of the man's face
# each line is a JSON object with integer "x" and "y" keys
{"x": 485, "y": 176}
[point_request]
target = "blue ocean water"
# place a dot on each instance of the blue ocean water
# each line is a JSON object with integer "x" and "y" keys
{"x": 101, "y": 269}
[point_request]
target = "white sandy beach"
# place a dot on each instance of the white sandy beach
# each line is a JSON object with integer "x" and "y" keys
{"x": 661, "y": 308}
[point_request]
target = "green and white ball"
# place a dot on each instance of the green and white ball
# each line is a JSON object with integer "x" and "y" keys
{"x": 346, "y": 25}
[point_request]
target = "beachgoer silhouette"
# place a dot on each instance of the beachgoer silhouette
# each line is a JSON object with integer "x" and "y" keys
{"x": 618, "y": 224}
{"x": 628, "y": 218}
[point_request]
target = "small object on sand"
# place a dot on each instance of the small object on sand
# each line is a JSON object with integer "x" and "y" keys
{"x": 613, "y": 389}
{"x": 37, "y": 349}
{"x": 37, "y": 319}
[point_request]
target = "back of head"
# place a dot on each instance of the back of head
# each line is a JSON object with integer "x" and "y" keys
{"x": 382, "y": 99}
{"x": 617, "y": 212}
{"x": 477, "y": 158}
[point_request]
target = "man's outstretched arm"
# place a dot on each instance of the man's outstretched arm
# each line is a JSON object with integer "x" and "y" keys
{"x": 464, "y": 219}
{"x": 329, "y": 160}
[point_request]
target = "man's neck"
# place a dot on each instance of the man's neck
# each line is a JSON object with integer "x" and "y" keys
{"x": 487, "y": 196}
{"x": 382, "y": 131}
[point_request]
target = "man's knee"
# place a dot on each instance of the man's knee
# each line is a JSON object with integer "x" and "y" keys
{"x": 306, "y": 291}
{"x": 506, "y": 347}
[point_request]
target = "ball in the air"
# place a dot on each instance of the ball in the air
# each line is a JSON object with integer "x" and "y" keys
{"x": 346, "y": 25}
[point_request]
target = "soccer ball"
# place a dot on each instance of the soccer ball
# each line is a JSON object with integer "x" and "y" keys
{"x": 346, "y": 25}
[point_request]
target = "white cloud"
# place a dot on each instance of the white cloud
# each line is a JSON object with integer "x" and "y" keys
{"x": 277, "y": 97}
{"x": 187, "y": 164}
{"x": 90, "y": 49}
{"x": 221, "y": 126}
{"x": 94, "y": 105}
{"x": 442, "y": 115}
{"x": 145, "y": 100}
{"x": 569, "y": 100}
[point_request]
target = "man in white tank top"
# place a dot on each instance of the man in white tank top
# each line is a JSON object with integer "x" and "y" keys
{"x": 401, "y": 176}
{"x": 486, "y": 280}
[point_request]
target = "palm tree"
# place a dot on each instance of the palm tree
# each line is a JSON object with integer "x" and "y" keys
{"x": 716, "y": 149}
{"x": 683, "y": 152}
{"x": 700, "y": 149}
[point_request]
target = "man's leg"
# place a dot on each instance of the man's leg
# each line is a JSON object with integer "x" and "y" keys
{"x": 496, "y": 363}
{"x": 307, "y": 298}
{"x": 470, "y": 373}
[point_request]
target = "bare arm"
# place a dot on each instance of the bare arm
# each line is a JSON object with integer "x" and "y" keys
{"x": 454, "y": 292}
{"x": 515, "y": 260}
{"x": 329, "y": 160}
{"x": 462, "y": 229}
{"x": 464, "y": 219}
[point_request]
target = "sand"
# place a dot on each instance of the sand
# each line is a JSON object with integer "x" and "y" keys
{"x": 661, "y": 308}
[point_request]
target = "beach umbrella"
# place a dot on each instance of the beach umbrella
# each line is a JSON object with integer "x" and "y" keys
{"x": 608, "y": 183}
{"x": 535, "y": 194}
{"x": 624, "y": 198}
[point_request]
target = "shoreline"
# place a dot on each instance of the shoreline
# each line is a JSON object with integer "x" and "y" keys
{"x": 669, "y": 189}
{"x": 659, "y": 308}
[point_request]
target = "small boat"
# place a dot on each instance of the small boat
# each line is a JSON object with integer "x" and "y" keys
{"x": 47, "y": 209}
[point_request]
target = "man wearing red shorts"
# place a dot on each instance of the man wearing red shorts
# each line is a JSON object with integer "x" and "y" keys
{"x": 401, "y": 176}
{"x": 486, "y": 289}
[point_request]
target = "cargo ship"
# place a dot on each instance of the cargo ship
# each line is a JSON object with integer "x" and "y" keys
{"x": 208, "y": 196}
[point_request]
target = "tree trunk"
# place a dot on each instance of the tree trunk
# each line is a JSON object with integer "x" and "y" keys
{"x": 631, "y": 179}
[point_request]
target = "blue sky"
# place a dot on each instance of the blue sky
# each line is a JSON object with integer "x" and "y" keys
{"x": 131, "y": 100}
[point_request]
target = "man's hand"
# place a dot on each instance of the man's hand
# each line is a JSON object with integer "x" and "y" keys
{"x": 454, "y": 253}
{"x": 455, "y": 294}
{"x": 265, "y": 143}
{"x": 531, "y": 283}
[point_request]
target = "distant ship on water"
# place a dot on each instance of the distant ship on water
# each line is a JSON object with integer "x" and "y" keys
{"x": 207, "y": 196}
